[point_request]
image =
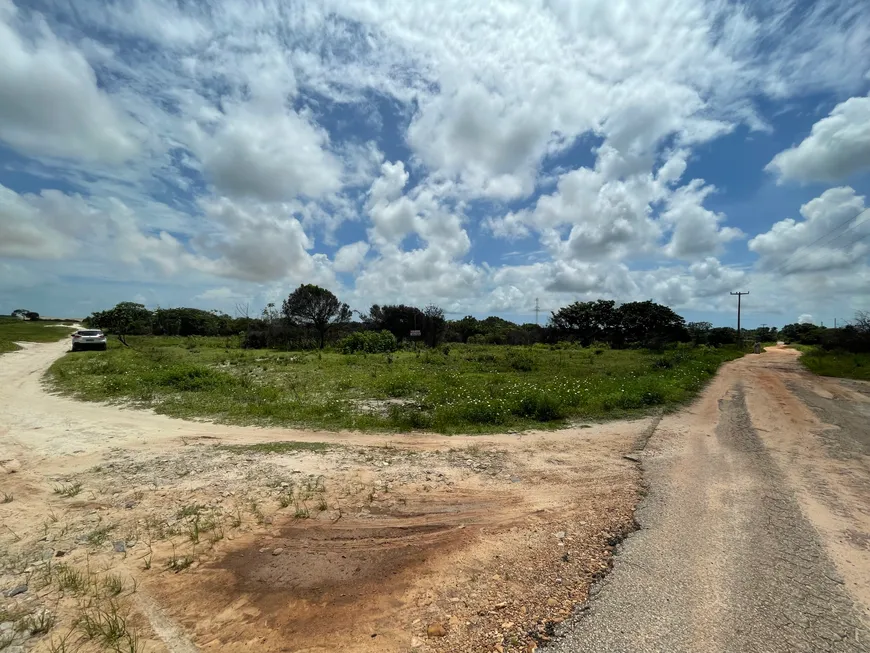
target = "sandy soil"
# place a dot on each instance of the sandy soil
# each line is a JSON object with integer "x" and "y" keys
{"x": 376, "y": 543}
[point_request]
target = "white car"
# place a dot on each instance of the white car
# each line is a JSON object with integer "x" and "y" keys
{"x": 88, "y": 338}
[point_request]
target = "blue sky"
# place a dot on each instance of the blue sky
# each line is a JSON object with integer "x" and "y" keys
{"x": 475, "y": 156}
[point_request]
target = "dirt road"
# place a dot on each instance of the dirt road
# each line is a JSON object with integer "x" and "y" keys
{"x": 756, "y": 530}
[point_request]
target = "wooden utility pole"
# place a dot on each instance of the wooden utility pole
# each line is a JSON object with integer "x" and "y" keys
{"x": 537, "y": 310}
{"x": 739, "y": 332}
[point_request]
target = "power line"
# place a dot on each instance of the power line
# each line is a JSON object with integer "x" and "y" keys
{"x": 788, "y": 259}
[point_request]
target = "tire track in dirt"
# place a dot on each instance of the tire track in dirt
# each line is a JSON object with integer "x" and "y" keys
{"x": 727, "y": 559}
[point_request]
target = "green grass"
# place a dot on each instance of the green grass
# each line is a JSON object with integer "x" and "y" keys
{"x": 276, "y": 447}
{"x": 13, "y": 330}
{"x": 835, "y": 363}
{"x": 463, "y": 388}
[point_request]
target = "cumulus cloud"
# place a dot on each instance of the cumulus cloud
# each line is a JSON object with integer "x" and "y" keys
{"x": 254, "y": 242}
{"x": 837, "y": 147}
{"x": 805, "y": 318}
{"x": 252, "y": 132}
{"x": 830, "y": 237}
{"x": 269, "y": 153}
{"x": 696, "y": 230}
{"x": 50, "y": 102}
{"x": 350, "y": 257}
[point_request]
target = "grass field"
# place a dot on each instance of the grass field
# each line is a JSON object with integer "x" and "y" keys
{"x": 13, "y": 330}
{"x": 456, "y": 388}
{"x": 833, "y": 363}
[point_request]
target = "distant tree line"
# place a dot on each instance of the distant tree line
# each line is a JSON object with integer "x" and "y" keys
{"x": 313, "y": 317}
{"x": 852, "y": 337}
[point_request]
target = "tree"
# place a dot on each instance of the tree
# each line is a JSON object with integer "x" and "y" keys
{"x": 434, "y": 325}
{"x": 126, "y": 319}
{"x": 587, "y": 322}
{"x": 317, "y": 308}
{"x": 699, "y": 331}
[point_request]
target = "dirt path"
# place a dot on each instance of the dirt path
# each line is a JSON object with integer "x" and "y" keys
{"x": 371, "y": 543}
{"x": 756, "y": 531}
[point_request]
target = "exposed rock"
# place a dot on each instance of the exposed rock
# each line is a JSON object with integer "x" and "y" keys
{"x": 15, "y": 591}
{"x": 436, "y": 630}
{"x": 278, "y": 551}
{"x": 119, "y": 546}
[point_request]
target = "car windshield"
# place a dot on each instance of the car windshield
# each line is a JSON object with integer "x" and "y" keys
{"x": 90, "y": 333}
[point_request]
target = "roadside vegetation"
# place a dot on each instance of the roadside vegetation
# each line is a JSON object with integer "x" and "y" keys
{"x": 842, "y": 352}
{"x": 13, "y": 330}
{"x": 833, "y": 363}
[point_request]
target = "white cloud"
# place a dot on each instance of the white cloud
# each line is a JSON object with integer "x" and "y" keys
{"x": 255, "y": 242}
{"x": 350, "y": 257}
{"x": 832, "y": 236}
{"x": 805, "y": 318}
{"x": 251, "y": 132}
{"x": 696, "y": 230}
{"x": 269, "y": 153}
{"x": 837, "y": 147}
{"x": 50, "y": 103}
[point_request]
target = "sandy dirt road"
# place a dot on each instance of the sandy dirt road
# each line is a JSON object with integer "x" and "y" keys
{"x": 378, "y": 542}
{"x": 756, "y": 530}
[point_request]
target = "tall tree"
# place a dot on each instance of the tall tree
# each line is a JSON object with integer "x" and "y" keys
{"x": 317, "y": 308}
{"x": 587, "y": 321}
{"x": 127, "y": 318}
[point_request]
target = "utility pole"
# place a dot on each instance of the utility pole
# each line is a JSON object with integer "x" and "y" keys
{"x": 739, "y": 333}
{"x": 537, "y": 310}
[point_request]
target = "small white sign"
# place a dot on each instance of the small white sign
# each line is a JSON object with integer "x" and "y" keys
{"x": 416, "y": 333}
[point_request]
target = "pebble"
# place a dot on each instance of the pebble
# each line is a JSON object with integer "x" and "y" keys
{"x": 416, "y": 642}
{"x": 119, "y": 547}
{"x": 561, "y": 535}
{"x": 15, "y": 591}
{"x": 436, "y": 630}
{"x": 278, "y": 551}
{"x": 552, "y": 602}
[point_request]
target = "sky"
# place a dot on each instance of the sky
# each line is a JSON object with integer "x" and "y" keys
{"x": 480, "y": 156}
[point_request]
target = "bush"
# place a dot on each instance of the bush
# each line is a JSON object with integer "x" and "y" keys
{"x": 371, "y": 342}
{"x": 521, "y": 362}
{"x": 541, "y": 407}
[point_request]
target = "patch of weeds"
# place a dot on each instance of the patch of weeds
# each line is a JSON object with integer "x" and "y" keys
{"x": 236, "y": 520}
{"x": 40, "y": 622}
{"x": 276, "y": 447}
{"x": 191, "y": 510}
{"x": 301, "y": 512}
{"x": 109, "y": 627}
{"x": 257, "y": 513}
{"x": 61, "y": 645}
{"x": 99, "y": 535}
{"x": 68, "y": 491}
{"x": 8, "y": 498}
{"x": 322, "y": 505}
{"x": 285, "y": 499}
{"x": 113, "y": 585}
{"x": 71, "y": 579}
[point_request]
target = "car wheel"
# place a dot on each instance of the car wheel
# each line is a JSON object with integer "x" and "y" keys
{"x": 74, "y": 348}
{"x": 103, "y": 347}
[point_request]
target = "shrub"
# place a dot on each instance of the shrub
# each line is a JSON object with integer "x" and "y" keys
{"x": 372, "y": 342}
{"x": 521, "y": 362}
{"x": 540, "y": 406}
